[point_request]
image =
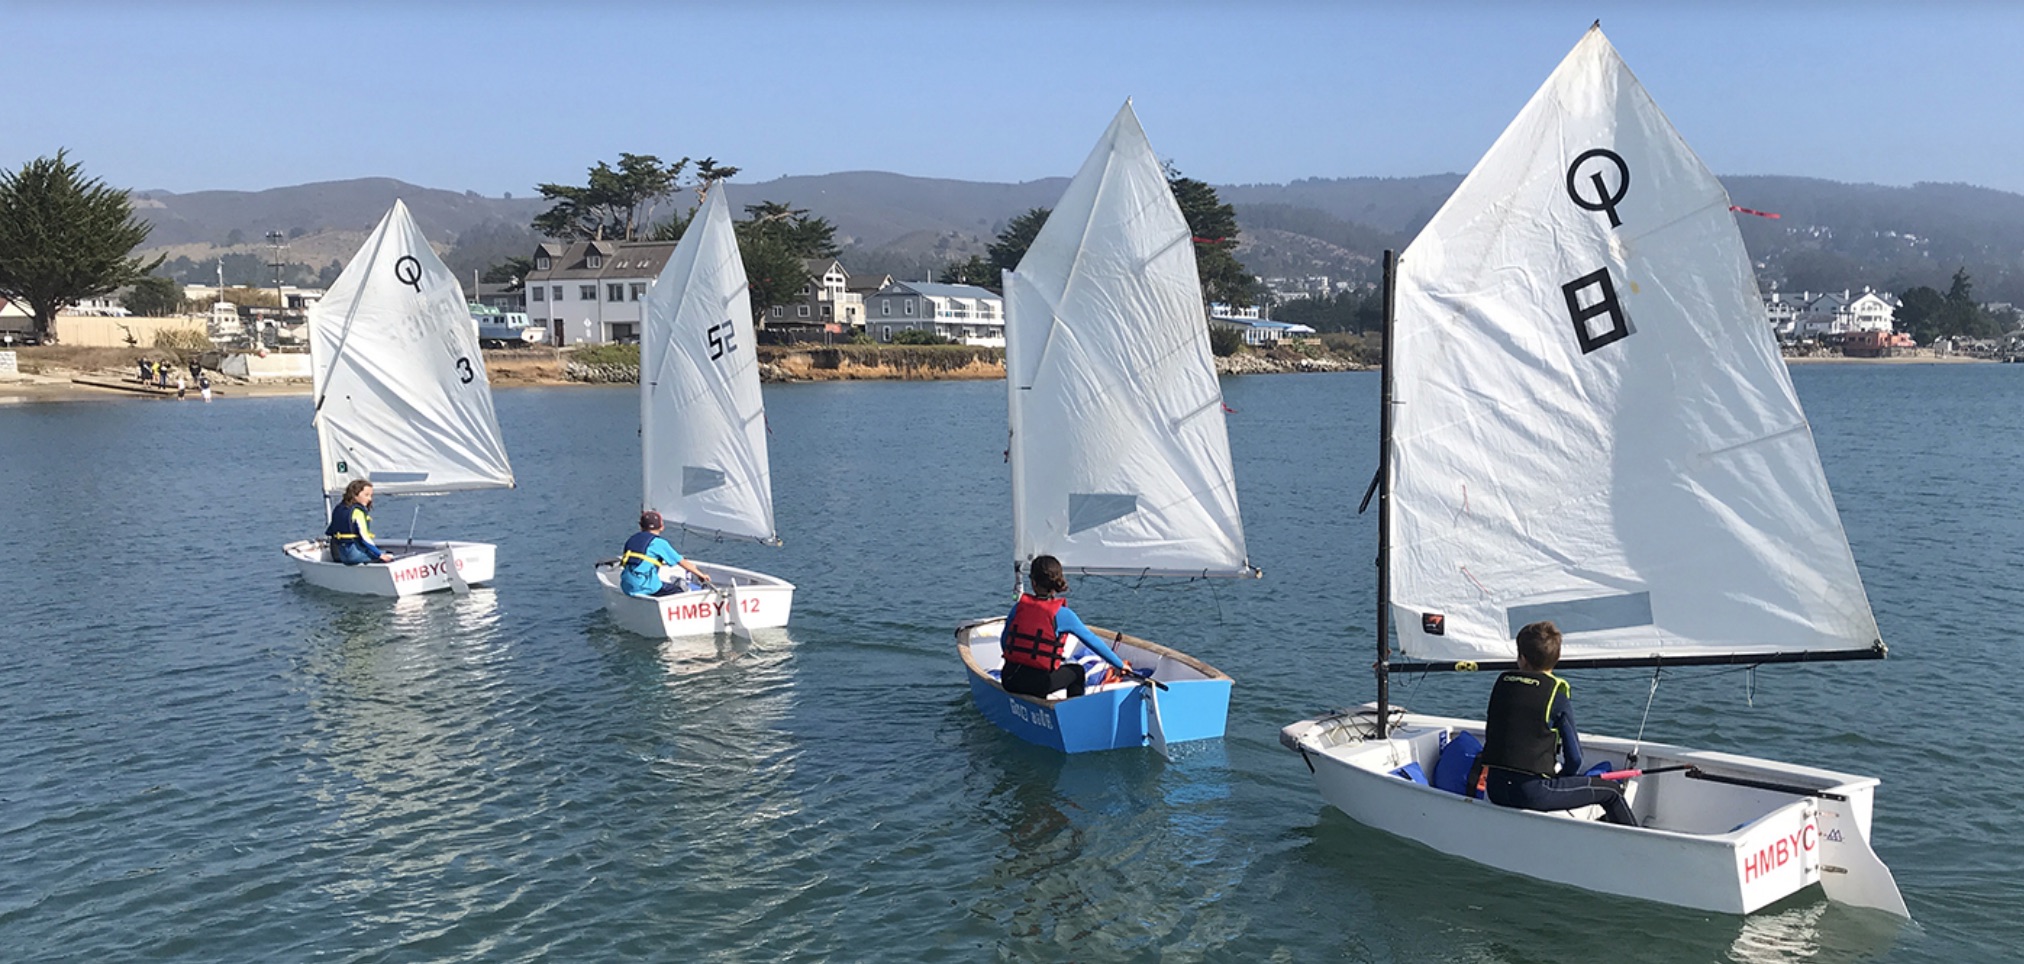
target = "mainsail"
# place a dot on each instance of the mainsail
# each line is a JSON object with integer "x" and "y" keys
{"x": 1593, "y": 424}
{"x": 1120, "y": 460}
{"x": 401, "y": 394}
{"x": 702, "y": 419}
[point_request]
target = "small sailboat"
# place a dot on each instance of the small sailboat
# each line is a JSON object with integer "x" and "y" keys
{"x": 703, "y": 437}
{"x": 402, "y": 401}
{"x": 1586, "y": 420}
{"x": 1120, "y": 459}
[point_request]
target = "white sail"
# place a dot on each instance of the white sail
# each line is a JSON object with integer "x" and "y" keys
{"x": 702, "y": 420}
{"x": 1120, "y": 461}
{"x": 1593, "y": 424}
{"x": 401, "y": 394}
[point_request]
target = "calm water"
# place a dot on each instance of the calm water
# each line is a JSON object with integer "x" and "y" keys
{"x": 203, "y": 760}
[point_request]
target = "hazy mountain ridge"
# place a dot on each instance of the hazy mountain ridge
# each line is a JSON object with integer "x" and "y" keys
{"x": 1831, "y": 234}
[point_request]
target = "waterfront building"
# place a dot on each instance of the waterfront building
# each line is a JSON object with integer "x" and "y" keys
{"x": 1258, "y": 330}
{"x": 1830, "y": 314}
{"x": 966, "y": 314}
{"x": 824, "y": 303}
{"x": 593, "y": 291}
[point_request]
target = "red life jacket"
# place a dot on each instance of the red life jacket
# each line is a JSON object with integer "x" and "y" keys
{"x": 1032, "y": 640}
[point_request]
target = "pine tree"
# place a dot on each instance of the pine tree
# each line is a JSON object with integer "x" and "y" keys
{"x": 64, "y": 238}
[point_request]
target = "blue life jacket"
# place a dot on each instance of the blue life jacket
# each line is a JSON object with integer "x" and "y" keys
{"x": 349, "y": 522}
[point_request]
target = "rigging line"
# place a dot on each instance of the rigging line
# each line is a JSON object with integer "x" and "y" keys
{"x": 350, "y": 314}
{"x": 1649, "y": 697}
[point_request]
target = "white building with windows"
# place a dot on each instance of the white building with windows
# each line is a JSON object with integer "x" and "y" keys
{"x": 1257, "y": 329}
{"x": 965, "y": 314}
{"x": 825, "y": 301}
{"x": 593, "y": 291}
{"x": 1830, "y": 313}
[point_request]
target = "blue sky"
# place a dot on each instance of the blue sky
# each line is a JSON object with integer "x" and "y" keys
{"x": 497, "y": 97}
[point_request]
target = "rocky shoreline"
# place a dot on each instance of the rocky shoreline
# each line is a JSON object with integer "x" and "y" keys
{"x": 929, "y": 363}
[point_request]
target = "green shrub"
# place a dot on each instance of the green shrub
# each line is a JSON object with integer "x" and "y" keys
{"x": 607, "y": 354}
{"x": 915, "y": 336}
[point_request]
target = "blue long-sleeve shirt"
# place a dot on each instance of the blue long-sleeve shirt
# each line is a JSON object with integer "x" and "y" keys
{"x": 1561, "y": 719}
{"x": 1067, "y": 623}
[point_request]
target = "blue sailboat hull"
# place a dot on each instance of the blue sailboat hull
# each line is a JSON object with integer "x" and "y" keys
{"x": 1190, "y": 708}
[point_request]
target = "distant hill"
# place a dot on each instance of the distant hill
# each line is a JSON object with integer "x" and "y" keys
{"x": 1830, "y": 235}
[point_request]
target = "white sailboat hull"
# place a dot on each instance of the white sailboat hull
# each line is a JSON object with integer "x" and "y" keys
{"x": 418, "y": 567}
{"x": 1705, "y": 845}
{"x": 742, "y": 600}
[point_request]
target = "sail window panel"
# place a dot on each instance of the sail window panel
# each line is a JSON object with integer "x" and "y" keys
{"x": 1087, "y": 510}
{"x": 1590, "y": 615}
{"x": 696, "y": 478}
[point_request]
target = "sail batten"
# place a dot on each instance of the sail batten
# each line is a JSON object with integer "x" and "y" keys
{"x": 1594, "y": 423}
{"x": 703, "y": 452}
{"x": 1120, "y": 458}
{"x": 402, "y": 398}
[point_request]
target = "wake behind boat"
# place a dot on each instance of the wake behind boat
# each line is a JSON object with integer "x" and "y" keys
{"x": 703, "y": 453}
{"x": 1585, "y": 420}
{"x": 402, "y": 402}
{"x": 1120, "y": 458}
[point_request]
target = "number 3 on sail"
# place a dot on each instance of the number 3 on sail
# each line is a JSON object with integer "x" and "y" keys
{"x": 1585, "y": 421}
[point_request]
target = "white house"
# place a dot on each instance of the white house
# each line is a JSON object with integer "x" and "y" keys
{"x": 965, "y": 314}
{"x": 1831, "y": 313}
{"x": 593, "y": 291}
{"x": 825, "y": 301}
{"x": 1256, "y": 328}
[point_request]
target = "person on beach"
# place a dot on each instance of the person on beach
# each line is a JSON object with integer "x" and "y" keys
{"x": 1530, "y": 722}
{"x": 162, "y": 374}
{"x": 144, "y": 365}
{"x": 1036, "y": 638}
{"x": 204, "y": 386}
{"x": 645, "y": 553}
{"x": 182, "y": 387}
{"x": 350, "y": 528}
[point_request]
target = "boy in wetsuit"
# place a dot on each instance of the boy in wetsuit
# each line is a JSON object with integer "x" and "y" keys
{"x": 1530, "y": 722}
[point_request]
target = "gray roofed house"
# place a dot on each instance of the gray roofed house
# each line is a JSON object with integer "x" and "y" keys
{"x": 965, "y": 314}
{"x": 593, "y": 291}
{"x": 824, "y": 303}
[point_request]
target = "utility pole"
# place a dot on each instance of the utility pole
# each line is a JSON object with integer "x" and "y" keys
{"x": 276, "y": 239}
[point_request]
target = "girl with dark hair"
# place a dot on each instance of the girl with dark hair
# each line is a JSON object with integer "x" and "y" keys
{"x": 1036, "y": 637}
{"x": 350, "y": 529}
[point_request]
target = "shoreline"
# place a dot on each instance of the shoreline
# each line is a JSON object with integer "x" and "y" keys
{"x": 778, "y": 365}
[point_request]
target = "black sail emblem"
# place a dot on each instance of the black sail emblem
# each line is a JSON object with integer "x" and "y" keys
{"x": 408, "y": 271}
{"x": 1589, "y": 182}
{"x": 1598, "y": 180}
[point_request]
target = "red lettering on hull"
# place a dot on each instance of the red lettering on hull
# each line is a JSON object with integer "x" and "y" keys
{"x": 1780, "y": 852}
{"x": 710, "y": 609}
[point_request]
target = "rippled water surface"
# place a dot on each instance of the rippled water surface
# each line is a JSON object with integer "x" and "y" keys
{"x": 201, "y": 759}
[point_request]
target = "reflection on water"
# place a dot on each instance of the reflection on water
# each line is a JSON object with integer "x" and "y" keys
{"x": 214, "y": 763}
{"x": 1102, "y": 854}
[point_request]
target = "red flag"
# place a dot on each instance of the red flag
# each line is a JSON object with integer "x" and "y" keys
{"x": 1761, "y": 214}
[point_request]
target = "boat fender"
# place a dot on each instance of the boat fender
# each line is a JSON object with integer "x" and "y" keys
{"x": 1412, "y": 771}
{"x": 1451, "y": 773}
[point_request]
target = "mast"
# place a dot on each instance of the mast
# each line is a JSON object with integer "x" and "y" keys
{"x": 1384, "y": 446}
